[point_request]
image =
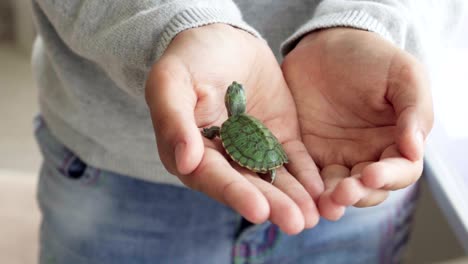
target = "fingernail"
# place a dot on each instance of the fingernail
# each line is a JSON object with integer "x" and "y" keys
{"x": 179, "y": 155}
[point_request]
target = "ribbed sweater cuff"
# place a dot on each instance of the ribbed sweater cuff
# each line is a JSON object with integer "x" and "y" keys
{"x": 197, "y": 17}
{"x": 354, "y": 18}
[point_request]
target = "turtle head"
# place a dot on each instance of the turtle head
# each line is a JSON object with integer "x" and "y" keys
{"x": 235, "y": 99}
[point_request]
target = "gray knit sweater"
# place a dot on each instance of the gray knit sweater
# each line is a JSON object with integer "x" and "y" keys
{"x": 92, "y": 57}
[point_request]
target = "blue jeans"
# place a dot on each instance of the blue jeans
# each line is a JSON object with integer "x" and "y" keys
{"x": 90, "y": 215}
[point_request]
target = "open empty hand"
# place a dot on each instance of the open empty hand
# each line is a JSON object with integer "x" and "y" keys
{"x": 364, "y": 109}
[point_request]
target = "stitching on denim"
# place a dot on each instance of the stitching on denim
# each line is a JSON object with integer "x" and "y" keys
{"x": 243, "y": 254}
{"x": 95, "y": 174}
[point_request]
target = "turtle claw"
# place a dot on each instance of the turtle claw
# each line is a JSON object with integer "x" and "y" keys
{"x": 211, "y": 132}
{"x": 272, "y": 176}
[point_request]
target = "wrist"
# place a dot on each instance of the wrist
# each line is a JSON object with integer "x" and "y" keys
{"x": 334, "y": 32}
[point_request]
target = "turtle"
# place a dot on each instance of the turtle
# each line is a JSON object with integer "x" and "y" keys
{"x": 245, "y": 138}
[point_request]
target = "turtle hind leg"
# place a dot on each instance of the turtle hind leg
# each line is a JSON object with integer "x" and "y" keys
{"x": 211, "y": 132}
{"x": 272, "y": 175}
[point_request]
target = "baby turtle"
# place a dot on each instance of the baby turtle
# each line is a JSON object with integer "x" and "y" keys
{"x": 247, "y": 141}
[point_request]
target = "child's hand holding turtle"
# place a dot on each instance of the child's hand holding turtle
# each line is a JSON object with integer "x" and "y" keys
{"x": 185, "y": 92}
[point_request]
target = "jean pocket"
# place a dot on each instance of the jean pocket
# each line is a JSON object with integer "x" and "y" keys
{"x": 59, "y": 158}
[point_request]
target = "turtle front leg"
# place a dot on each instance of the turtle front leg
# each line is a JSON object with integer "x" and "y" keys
{"x": 272, "y": 175}
{"x": 211, "y": 132}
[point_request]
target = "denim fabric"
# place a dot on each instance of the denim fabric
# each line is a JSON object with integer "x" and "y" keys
{"x": 95, "y": 216}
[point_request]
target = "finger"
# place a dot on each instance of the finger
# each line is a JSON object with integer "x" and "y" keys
{"x": 171, "y": 99}
{"x": 296, "y": 191}
{"x": 329, "y": 209}
{"x": 216, "y": 178}
{"x": 284, "y": 211}
{"x": 331, "y": 175}
{"x": 348, "y": 192}
{"x": 357, "y": 169}
{"x": 373, "y": 198}
{"x": 392, "y": 172}
{"x": 408, "y": 91}
{"x": 351, "y": 191}
{"x": 303, "y": 168}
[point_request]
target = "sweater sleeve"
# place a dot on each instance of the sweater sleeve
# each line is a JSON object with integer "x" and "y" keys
{"x": 411, "y": 25}
{"x": 125, "y": 38}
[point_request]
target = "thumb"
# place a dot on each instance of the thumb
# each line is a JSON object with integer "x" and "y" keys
{"x": 171, "y": 100}
{"x": 409, "y": 93}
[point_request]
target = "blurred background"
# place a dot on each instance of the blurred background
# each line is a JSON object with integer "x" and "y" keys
{"x": 432, "y": 239}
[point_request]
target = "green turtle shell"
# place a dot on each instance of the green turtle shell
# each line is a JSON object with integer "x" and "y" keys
{"x": 251, "y": 144}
